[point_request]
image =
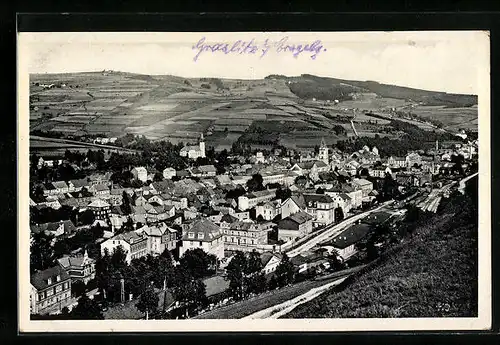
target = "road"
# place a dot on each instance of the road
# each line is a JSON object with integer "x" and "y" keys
{"x": 279, "y": 310}
{"x": 431, "y": 203}
{"x": 277, "y": 297}
{"x": 82, "y": 143}
{"x": 333, "y": 230}
{"x": 461, "y": 184}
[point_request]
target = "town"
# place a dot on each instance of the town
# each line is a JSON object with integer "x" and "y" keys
{"x": 178, "y": 231}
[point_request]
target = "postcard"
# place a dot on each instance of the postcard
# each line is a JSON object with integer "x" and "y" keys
{"x": 254, "y": 181}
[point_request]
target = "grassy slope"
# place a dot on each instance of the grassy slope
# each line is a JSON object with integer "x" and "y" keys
{"x": 393, "y": 91}
{"x": 437, "y": 267}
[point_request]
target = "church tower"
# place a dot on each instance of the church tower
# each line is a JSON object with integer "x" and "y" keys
{"x": 202, "y": 146}
{"x": 323, "y": 152}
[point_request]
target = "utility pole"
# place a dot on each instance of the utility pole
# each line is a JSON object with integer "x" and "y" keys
{"x": 165, "y": 294}
{"x": 122, "y": 290}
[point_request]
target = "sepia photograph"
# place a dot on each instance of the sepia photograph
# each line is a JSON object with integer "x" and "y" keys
{"x": 253, "y": 181}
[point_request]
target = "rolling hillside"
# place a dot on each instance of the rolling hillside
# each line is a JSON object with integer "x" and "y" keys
{"x": 178, "y": 109}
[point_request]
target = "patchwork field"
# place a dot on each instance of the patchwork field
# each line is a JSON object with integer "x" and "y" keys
{"x": 177, "y": 109}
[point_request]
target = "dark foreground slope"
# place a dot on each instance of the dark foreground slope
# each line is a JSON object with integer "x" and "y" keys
{"x": 434, "y": 274}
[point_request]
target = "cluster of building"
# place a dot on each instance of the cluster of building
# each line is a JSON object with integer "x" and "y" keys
{"x": 193, "y": 210}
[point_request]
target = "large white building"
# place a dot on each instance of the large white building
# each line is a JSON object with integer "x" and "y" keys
{"x": 140, "y": 173}
{"x": 321, "y": 207}
{"x": 168, "y": 173}
{"x": 245, "y": 235}
{"x": 160, "y": 237}
{"x": 268, "y": 210}
{"x": 205, "y": 235}
{"x": 134, "y": 244}
{"x": 251, "y": 200}
{"x": 194, "y": 151}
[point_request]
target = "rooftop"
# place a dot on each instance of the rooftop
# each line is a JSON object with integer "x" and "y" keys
{"x": 317, "y": 198}
{"x": 98, "y": 203}
{"x": 40, "y": 279}
{"x": 351, "y": 235}
{"x": 202, "y": 230}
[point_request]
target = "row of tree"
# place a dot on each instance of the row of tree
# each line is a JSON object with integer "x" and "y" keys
{"x": 146, "y": 274}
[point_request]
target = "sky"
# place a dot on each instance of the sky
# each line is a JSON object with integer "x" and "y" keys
{"x": 439, "y": 61}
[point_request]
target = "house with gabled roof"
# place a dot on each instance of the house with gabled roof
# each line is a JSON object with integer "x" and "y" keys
{"x": 270, "y": 261}
{"x": 63, "y": 227}
{"x": 77, "y": 185}
{"x": 135, "y": 245}
{"x": 160, "y": 238}
{"x": 61, "y": 187}
{"x": 205, "y": 235}
{"x": 204, "y": 171}
{"x": 321, "y": 207}
{"x": 140, "y": 173}
{"x": 100, "y": 208}
{"x": 168, "y": 173}
{"x": 292, "y": 205}
{"x": 252, "y": 199}
{"x": 268, "y": 210}
{"x": 50, "y": 291}
{"x": 295, "y": 226}
{"x": 78, "y": 267}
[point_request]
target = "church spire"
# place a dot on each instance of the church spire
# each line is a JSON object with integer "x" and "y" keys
{"x": 322, "y": 145}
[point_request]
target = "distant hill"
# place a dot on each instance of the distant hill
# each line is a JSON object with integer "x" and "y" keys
{"x": 290, "y": 110}
{"x": 307, "y": 86}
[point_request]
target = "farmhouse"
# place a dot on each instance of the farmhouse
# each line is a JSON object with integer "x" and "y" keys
{"x": 270, "y": 262}
{"x": 63, "y": 227}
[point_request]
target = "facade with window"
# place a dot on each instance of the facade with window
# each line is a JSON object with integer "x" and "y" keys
{"x": 321, "y": 207}
{"x": 246, "y": 235}
{"x": 205, "y": 235}
{"x": 251, "y": 200}
{"x": 78, "y": 267}
{"x": 50, "y": 291}
{"x": 100, "y": 208}
{"x": 268, "y": 210}
{"x": 295, "y": 226}
{"x": 134, "y": 244}
{"x": 160, "y": 238}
